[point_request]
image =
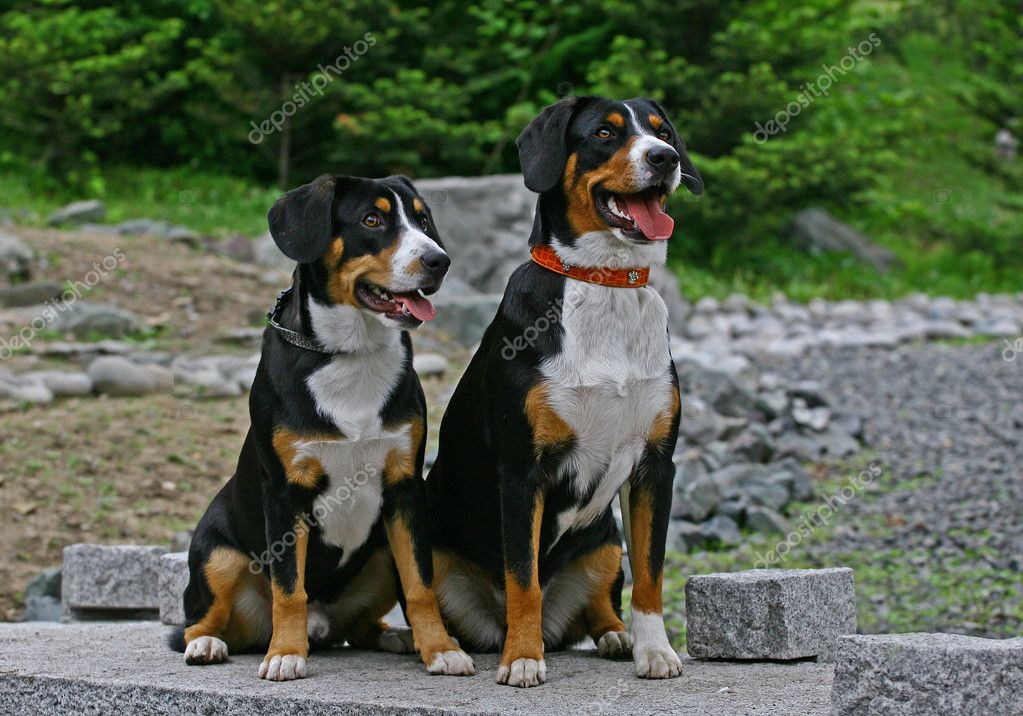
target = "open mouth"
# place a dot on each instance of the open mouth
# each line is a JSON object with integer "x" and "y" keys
{"x": 638, "y": 216}
{"x": 410, "y": 308}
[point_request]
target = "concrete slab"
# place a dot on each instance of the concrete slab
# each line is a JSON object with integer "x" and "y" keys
{"x": 126, "y": 668}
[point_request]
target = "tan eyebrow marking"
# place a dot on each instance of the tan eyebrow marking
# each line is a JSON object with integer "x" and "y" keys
{"x": 655, "y": 121}
{"x": 383, "y": 204}
{"x": 418, "y": 204}
{"x": 616, "y": 119}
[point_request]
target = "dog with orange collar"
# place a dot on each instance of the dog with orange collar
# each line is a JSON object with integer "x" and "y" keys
{"x": 571, "y": 399}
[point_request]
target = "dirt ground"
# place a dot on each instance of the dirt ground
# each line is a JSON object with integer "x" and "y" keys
{"x": 130, "y": 470}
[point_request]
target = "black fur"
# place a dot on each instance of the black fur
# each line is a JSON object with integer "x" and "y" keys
{"x": 258, "y": 504}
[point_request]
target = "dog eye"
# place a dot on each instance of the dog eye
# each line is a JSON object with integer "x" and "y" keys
{"x": 664, "y": 134}
{"x": 424, "y": 223}
{"x": 371, "y": 221}
{"x": 604, "y": 133}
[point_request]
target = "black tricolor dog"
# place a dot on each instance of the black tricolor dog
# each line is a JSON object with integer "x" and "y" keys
{"x": 326, "y": 512}
{"x": 571, "y": 398}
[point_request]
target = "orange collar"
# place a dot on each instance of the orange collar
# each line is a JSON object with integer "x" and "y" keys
{"x": 616, "y": 278}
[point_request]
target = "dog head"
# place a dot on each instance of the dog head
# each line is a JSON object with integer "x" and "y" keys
{"x": 370, "y": 244}
{"x": 611, "y": 166}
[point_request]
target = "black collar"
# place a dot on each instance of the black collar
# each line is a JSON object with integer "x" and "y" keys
{"x": 295, "y": 338}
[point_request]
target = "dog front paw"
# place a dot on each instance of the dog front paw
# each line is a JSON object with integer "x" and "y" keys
{"x": 615, "y": 645}
{"x": 453, "y": 662}
{"x": 283, "y": 667}
{"x": 657, "y": 662}
{"x": 523, "y": 673}
{"x": 205, "y": 650}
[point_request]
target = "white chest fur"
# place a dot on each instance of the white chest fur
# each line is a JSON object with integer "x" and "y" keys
{"x": 349, "y": 393}
{"x": 609, "y": 383}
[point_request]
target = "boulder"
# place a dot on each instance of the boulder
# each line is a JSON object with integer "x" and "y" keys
{"x": 78, "y": 212}
{"x": 85, "y": 320}
{"x": 485, "y": 222}
{"x": 15, "y": 258}
{"x": 42, "y": 597}
{"x": 28, "y": 294}
{"x": 117, "y": 376}
{"x": 817, "y": 231}
{"x": 63, "y": 384}
{"x": 430, "y": 365}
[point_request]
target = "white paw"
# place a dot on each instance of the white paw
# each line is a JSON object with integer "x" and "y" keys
{"x": 397, "y": 640}
{"x": 452, "y": 663}
{"x": 658, "y": 662}
{"x": 615, "y": 645}
{"x": 317, "y": 626}
{"x": 283, "y": 668}
{"x": 205, "y": 650}
{"x": 523, "y": 673}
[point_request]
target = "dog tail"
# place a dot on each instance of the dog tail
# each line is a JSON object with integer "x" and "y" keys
{"x": 176, "y": 639}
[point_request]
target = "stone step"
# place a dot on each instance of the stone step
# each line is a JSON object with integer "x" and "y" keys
{"x": 126, "y": 668}
{"x": 103, "y": 580}
{"x": 919, "y": 674}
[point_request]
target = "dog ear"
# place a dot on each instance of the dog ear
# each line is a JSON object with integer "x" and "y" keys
{"x": 690, "y": 177}
{"x": 300, "y": 221}
{"x": 542, "y": 150}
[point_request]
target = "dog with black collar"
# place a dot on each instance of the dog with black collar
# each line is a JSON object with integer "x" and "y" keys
{"x": 323, "y": 527}
{"x": 571, "y": 399}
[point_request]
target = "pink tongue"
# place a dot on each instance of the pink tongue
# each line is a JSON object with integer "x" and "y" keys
{"x": 417, "y": 305}
{"x": 649, "y": 216}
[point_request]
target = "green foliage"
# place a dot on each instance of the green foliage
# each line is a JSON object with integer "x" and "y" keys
{"x": 883, "y": 102}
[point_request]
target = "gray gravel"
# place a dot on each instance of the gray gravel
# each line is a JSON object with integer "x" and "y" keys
{"x": 948, "y": 418}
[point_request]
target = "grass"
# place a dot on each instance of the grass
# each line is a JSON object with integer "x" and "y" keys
{"x": 210, "y": 204}
{"x": 896, "y": 590}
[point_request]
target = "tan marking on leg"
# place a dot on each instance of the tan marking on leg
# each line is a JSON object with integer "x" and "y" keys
{"x": 525, "y": 604}
{"x": 646, "y": 589}
{"x": 290, "y": 610}
{"x": 224, "y": 570}
{"x": 304, "y": 471}
{"x": 429, "y": 634}
{"x": 549, "y": 429}
{"x": 661, "y": 428}
{"x": 604, "y": 563}
{"x": 383, "y": 203}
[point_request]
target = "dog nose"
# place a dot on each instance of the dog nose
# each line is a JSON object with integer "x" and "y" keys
{"x": 436, "y": 262}
{"x": 663, "y": 158}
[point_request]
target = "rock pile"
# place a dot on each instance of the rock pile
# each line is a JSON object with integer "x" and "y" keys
{"x": 743, "y": 439}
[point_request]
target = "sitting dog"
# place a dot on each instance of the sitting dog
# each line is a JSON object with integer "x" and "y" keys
{"x": 571, "y": 397}
{"x": 326, "y": 511}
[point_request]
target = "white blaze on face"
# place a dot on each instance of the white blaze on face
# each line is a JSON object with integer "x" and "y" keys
{"x": 644, "y": 142}
{"x": 406, "y": 269}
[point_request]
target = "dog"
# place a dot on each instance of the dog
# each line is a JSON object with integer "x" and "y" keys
{"x": 323, "y": 527}
{"x": 571, "y": 398}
